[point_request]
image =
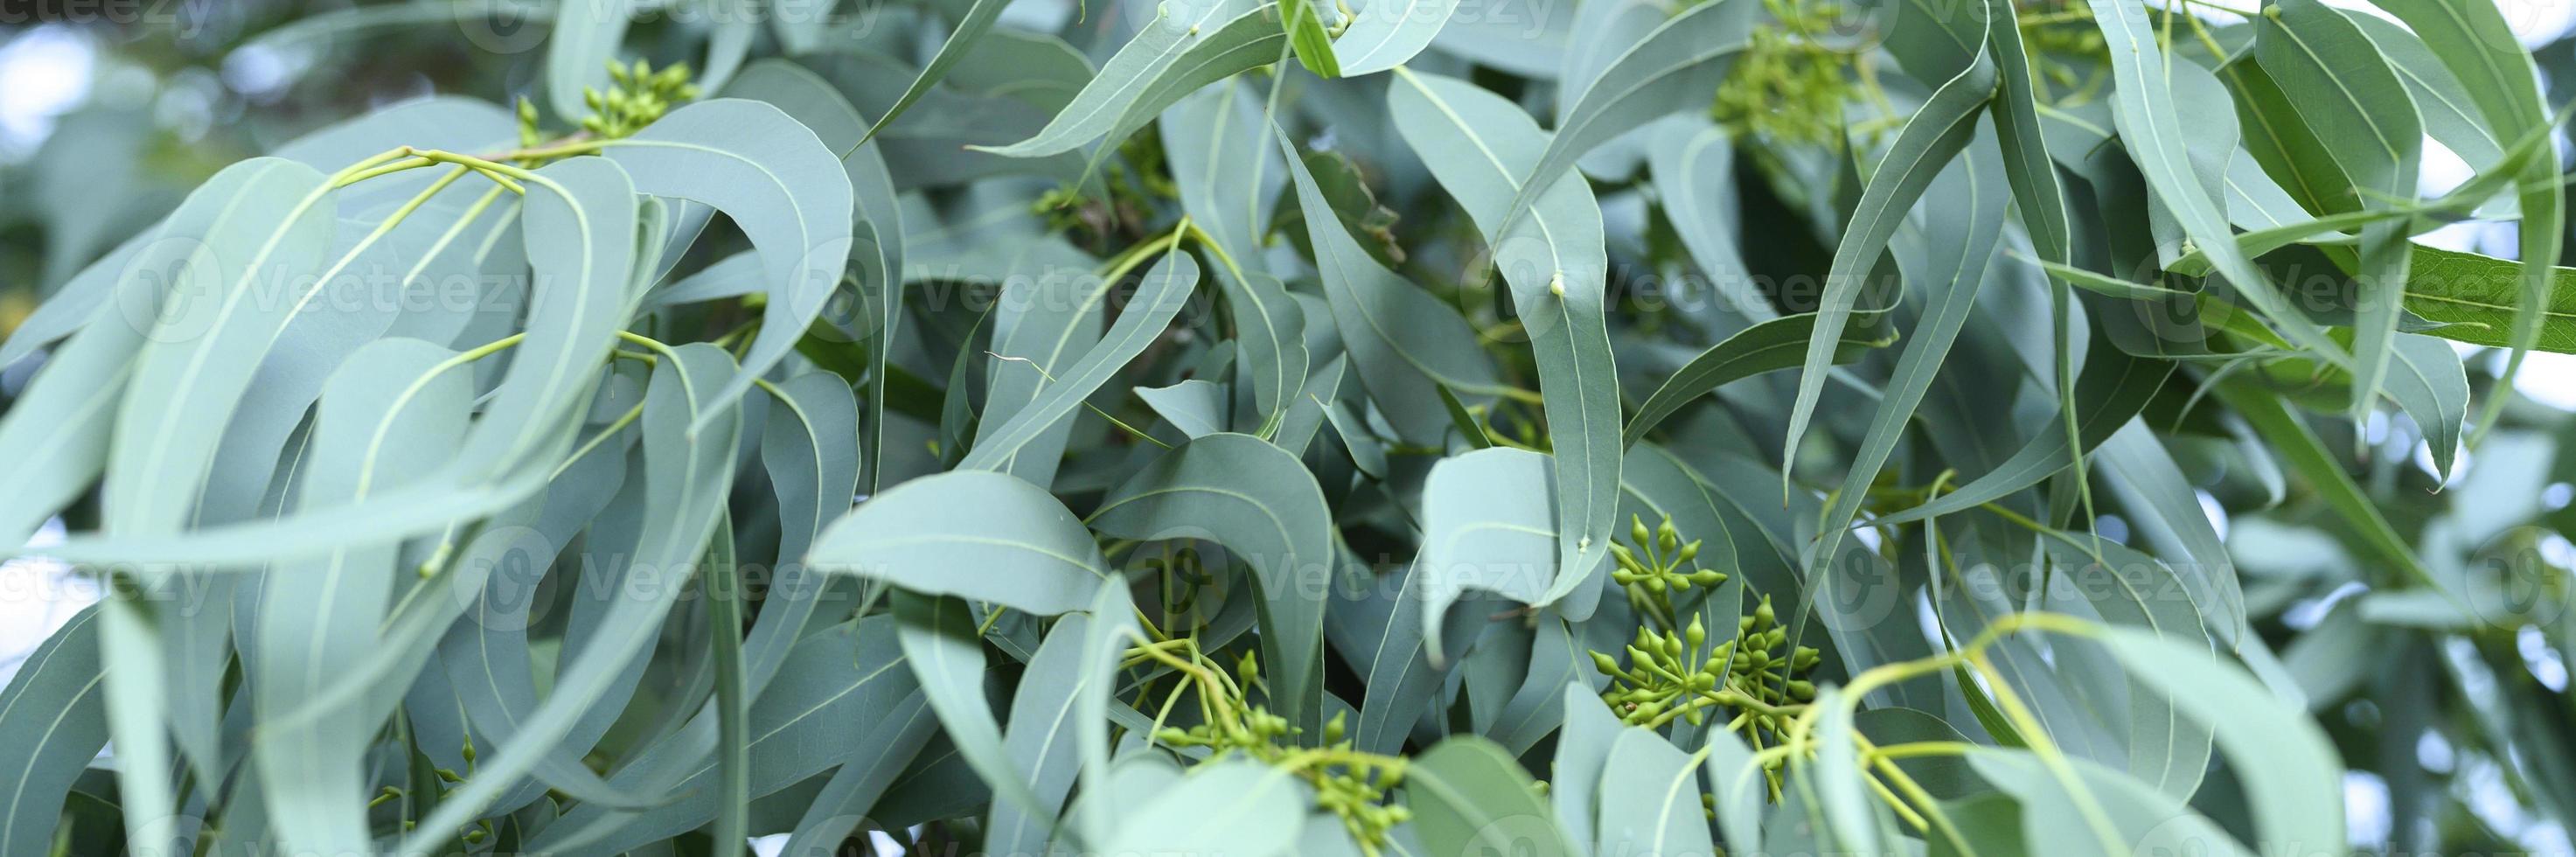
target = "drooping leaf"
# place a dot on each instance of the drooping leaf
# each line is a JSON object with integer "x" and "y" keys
{"x": 1672, "y": 68}
{"x": 2113, "y": 388}
{"x": 1262, "y": 504}
{"x": 1770, "y": 346}
{"x": 1558, "y": 270}
{"x": 678, "y": 525}
{"x": 774, "y": 179}
{"x": 1487, "y": 526}
{"x": 1404, "y": 343}
{"x": 938, "y": 535}
{"x": 1470, "y": 797}
{"x": 1934, "y": 135}
{"x": 1166, "y": 290}
{"x": 1189, "y": 45}
{"x": 2354, "y": 100}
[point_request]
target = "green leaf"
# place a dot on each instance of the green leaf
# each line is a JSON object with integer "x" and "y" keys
{"x": 2151, "y": 131}
{"x": 387, "y": 418}
{"x": 1693, "y": 167}
{"x": 876, "y": 247}
{"x": 1673, "y": 68}
{"x": 972, "y": 534}
{"x": 2290, "y": 772}
{"x": 1307, "y": 35}
{"x": 1962, "y": 226}
{"x": 1231, "y": 806}
{"x": 2113, "y": 388}
{"x": 962, "y": 39}
{"x": 1196, "y": 407}
{"x": 2425, "y": 378}
{"x": 584, "y": 41}
{"x": 1042, "y": 325}
{"x": 2136, "y": 818}
{"x": 1261, "y": 503}
{"x": 697, "y": 467}
{"x": 1766, "y": 347}
{"x": 57, "y": 432}
{"x": 1212, "y": 140}
{"x": 1062, "y": 696}
{"x": 1165, "y": 292}
{"x": 1582, "y": 748}
{"x": 1649, "y": 798}
{"x": 1486, "y": 526}
{"x": 940, "y": 641}
{"x": 1469, "y": 797}
{"x": 1385, "y": 34}
{"x": 1931, "y": 138}
{"x": 581, "y": 243}
{"x": 778, "y": 182}
{"x": 850, "y": 674}
{"x": 1404, "y": 342}
{"x": 2478, "y": 46}
{"x": 1558, "y": 270}
{"x": 2479, "y": 300}
{"x": 2347, "y": 91}
{"x": 1464, "y": 420}
{"x": 1402, "y": 675}
{"x": 205, "y": 336}
{"x": 723, "y": 586}
{"x": 809, "y": 449}
{"x": 1557, "y": 661}
{"x": 2143, "y": 475}
{"x": 1190, "y": 44}
{"x": 2292, "y": 439}
{"x": 52, "y": 717}
{"x": 867, "y": 769}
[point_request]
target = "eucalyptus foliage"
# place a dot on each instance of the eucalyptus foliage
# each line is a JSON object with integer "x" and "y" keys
{"x": 1270, "y": 427}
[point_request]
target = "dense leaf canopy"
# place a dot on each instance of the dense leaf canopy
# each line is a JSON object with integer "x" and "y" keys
{"x": 1271, "y": 427}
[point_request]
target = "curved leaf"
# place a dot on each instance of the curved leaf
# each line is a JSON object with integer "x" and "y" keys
{"x": 971, "y": 534}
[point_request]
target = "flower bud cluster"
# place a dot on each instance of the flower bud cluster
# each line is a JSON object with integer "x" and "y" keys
{"x": 639, "y": 97}
{"x": 1347, "y": 783}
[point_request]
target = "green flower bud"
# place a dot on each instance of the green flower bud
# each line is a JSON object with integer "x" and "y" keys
{"x": 1666, "y": 537}
{"x": 1605, "y": 664}
{"x": 1696, "y": 635}
{"x": 1626, "y": 559}
{"x": 1689, "y": 551}
{"x": 1708, "y": 576}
